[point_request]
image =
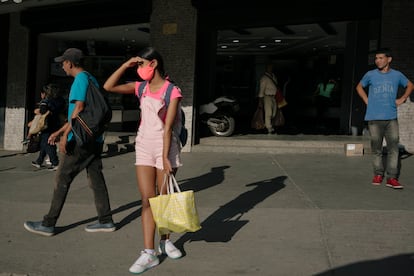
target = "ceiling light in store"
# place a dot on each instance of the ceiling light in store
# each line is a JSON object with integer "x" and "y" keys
{"x": 15, "y": 1}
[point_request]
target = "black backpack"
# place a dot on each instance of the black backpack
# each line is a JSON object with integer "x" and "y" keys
{"x": 179, "y": 127}
{"x": 94, "y": 119}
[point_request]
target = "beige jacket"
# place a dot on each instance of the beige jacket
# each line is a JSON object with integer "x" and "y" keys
{"x": 267, "y": 86}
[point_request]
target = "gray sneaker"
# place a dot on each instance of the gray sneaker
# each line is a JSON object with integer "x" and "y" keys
{"x": 37, "y": 228}
{"x": 101, "y": 227}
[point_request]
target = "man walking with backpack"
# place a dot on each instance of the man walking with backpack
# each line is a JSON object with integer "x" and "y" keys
{"x": 76, "y": 158}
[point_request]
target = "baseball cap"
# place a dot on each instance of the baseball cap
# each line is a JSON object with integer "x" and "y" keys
{"x": 72, "y": 54}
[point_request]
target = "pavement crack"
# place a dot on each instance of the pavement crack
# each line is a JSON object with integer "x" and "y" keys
{"x": 302, "y": 193}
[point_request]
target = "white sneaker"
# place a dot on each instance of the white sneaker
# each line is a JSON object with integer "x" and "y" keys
{"x": 144, "y": 262}
{"x": 47, "y": 161}
{"x": 168, "y": 248}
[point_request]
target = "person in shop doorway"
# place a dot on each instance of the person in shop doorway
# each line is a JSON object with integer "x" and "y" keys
{"x": 267, "y": 99}
{"x": 381, "y": 114}
{"x": 323, "y": 100}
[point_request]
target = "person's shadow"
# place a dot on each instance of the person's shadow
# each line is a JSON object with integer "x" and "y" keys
{"x": 224, "y": 223}
{"x": 214, "y": 177}
{"x": 401, "y": 265}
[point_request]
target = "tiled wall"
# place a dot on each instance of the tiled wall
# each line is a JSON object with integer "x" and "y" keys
{"x": 397, "y": 33}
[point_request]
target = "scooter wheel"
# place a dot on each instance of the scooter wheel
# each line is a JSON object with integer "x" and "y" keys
{"x": 225, "y": 128}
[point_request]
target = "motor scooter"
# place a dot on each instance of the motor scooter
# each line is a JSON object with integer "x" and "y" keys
{"x": 219, "y": 115}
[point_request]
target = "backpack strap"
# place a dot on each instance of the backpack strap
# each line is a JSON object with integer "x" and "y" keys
{"x": 89, "y": 76}
{"x": 167, "y": 97}
{"x": 168, "y": 94}
{"x": 141, "y": 88}
{"x": 91, "y": 81}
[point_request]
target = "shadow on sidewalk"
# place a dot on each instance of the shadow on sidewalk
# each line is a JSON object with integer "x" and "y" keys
{"x": 224, "y": 223}
{"x": 401, "y": 265}
{"x": 4, "y": 155}
{"x": 119, "y": 225}
{"x": 199, "y": 183}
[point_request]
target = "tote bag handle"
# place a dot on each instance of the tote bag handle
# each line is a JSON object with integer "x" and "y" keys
{"x": 172, "y": 185}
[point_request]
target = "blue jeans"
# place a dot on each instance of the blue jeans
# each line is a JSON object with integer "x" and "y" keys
{"x": 47, "y": 149}
{"x": 390, "y": 131}
{"x": 71, "y": 165}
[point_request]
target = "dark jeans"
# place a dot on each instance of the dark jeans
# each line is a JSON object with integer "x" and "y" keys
{"x": 88, "y": 158}
{"x": 390, "y": 131}
{"x": 322, "y": 106}
{"x": 47, "y": 149}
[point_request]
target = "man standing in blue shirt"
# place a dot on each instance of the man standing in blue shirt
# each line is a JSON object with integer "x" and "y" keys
{"x": 381, "y": 114}
{"x": 76, "y": 158}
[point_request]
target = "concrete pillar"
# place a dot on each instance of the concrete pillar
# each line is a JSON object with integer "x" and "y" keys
{"x": 173, "y": 34}
{"x": 16, "y": 93}
{"x": 397, "y": 34}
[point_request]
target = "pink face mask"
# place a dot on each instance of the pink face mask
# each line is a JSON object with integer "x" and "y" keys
{"x": 147, "y": 72}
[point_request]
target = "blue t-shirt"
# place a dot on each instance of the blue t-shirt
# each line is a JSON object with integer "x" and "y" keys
{"x": 78, "y": 93}
{"x": 382, "y": 93}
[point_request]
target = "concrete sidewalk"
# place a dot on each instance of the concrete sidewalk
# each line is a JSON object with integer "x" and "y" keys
{"x": 262, "y": 214}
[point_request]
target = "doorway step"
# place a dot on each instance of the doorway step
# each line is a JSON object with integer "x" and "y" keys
{"x": 118, "y": 143}
{"x": 281, "y": 144}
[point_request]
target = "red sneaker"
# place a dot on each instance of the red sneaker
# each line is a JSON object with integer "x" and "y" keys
{"x": 377, "y": 180}
{"x": 393, "y": 183}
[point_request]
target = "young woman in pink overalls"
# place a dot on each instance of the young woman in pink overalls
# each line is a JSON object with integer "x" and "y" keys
{"x": 157, "y": 150}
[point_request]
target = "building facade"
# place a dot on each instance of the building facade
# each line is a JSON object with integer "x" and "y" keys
{"x": 188, "y": 34}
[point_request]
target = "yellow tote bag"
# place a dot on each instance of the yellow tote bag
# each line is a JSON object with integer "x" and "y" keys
{"x": 175, "y": 211}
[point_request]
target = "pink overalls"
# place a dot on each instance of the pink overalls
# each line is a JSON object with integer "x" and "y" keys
{"x": 149, "y": 139}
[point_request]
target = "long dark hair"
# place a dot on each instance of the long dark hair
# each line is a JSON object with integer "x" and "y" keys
{"x": 51, "y": 90}
{"x": 150, "y": 53}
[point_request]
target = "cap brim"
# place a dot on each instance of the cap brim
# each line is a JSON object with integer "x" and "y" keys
{"x": 59, "y": 59}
